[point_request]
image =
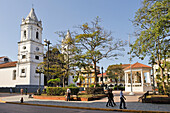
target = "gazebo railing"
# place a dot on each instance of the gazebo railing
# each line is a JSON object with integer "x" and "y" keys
{"x": 134, "y": 84}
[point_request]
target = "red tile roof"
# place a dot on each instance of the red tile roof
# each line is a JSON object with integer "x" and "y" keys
{"x": 104, "y": 74}
{"x": 125, "y": 65}
{"x": 9, "y": 64}
{"x": 2, "y": 57}
{"x": 137, "y": 65}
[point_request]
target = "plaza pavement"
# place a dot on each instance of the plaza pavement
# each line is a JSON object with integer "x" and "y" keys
{"x": 131, "y": 103}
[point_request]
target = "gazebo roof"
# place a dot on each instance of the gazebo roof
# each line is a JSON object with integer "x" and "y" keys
{"x": 136, "y": 66}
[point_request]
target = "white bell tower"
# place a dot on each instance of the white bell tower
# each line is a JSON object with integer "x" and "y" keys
{"x": 30, "y": 52}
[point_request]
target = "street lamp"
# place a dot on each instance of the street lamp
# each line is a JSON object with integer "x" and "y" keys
{"x": 153, "y": 61}
{"x": 47, "y": 43}
{"x": 39, "y": 70}
{"x": 102, "y": 75}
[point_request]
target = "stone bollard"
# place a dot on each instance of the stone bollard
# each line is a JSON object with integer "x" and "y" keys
{"x": 22, "y": 100}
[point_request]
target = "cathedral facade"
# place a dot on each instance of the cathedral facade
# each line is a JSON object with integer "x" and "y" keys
{"x": 23, "y": 73}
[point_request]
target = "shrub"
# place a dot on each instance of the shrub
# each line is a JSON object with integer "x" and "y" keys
{"x": 91, "y": 85}
{"x": 74, "y": 90}
{"x": 92, "y": 90}
{"x": 72, "y": 85}
{"x": 119, "y": 88}
{"x": 61, "y": 91}
{"x": 55, "y": 91}
{"x": 115, "y": 88}
{"x": 97, "y": 85}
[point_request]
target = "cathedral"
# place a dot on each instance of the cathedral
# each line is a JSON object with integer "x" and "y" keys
{"x": 23, "y": 73}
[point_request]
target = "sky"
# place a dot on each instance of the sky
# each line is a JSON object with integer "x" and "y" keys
{"x": 61, "y": 15}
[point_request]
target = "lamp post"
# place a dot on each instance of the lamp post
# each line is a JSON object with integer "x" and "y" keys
{"x": 39, "y": 70}
{"x": 47, "y": 43}
{"x": 102, "y": 75}
{"x": 153, "y": 61}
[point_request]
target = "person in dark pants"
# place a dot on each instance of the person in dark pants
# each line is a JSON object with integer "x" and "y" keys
{"x": 113, "y": 99}
{"x": 110, "y": 99}
{"x": 26, "y": 90}
{"x": 68, "y": 94}
{"x": 122, "y": 100}
{"x": 10, "y": 90}
{"x": 21, "y": 90}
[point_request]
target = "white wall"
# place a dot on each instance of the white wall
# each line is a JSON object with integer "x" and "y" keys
{"x": 34, "y": 77}
{"x": 6, "y": 77}
{"x": 23, "y": 79}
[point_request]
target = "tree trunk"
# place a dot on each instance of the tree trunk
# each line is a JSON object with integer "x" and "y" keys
{"x": 163, "y": 83}
{"x": 63, "y": 81}
{"x": 95, "y": 83}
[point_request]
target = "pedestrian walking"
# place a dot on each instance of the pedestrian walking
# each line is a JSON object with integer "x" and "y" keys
{"x": 26, "y": 90}
{"x": 21, "y": 90}
{"x": 10, "y": 90}
{"x": 110, "y": 99}
{"x": 122, "y": 100}
{"x": 68, "y": 94}
{"x": 113, "y": 99}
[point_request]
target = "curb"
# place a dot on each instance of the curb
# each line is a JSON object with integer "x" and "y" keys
{"x": 2, "y": 101}
{"x": 87, "y": 108}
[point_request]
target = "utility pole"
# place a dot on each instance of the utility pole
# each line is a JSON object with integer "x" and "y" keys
{"x": 131, "y": 93}
{"x": 102, "y": 76}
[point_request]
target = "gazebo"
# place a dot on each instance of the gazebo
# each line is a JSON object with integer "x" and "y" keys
{"x": 141, "y": 78}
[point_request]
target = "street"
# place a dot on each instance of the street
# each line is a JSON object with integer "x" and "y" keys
{"x": 14, "y": 108}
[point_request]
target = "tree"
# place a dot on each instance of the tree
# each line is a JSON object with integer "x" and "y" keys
{"x": 152, "y": 21}
{"x": 115, "y": 72}
{"x": 56, "y": 64}
{"x": 96, "y": 43}
{"x": 67, "y": 49}
{"x": 54, "y": 81}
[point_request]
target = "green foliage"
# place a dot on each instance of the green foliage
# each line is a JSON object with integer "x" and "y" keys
{"x": 91, "y": 85}
{"x": 119, "y": 88}
{"x": 69, "y": 50}
{"x": 152, "y": 22}
{"x": 54, "y": 81}
{"x": 72, "y": 85}
{"x": 61, "y": 91}
{"x": 74, "y": 90}
{"x": 97, "y": 85}
{"x": 81, "y": 78}
{"x": 55, "y": 62}
{"x": 56, "y": 91}
{"x": 95, "y": 43}
{"x": 115, "y": 72}
{"x": 96, "y": 90}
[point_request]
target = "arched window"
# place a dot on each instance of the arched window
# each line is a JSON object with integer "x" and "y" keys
{"x": 24, "y": 47}
{"x": 37, "y": 37}
{"x": 24, "y": 33}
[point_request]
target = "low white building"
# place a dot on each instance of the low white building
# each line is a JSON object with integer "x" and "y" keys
{"x": 22, "y": 73}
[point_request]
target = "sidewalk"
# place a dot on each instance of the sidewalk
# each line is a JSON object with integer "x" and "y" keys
{"x": 131, "y": 103}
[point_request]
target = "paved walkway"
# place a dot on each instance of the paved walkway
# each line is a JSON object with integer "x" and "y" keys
{"x": 131, "y": 102}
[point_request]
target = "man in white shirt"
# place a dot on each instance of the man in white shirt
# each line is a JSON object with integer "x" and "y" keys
{"x": 122, "y": 100}
{"x": 68, "y": 94}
